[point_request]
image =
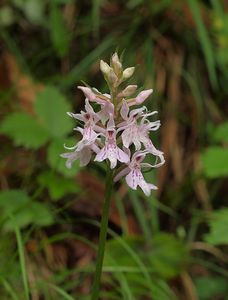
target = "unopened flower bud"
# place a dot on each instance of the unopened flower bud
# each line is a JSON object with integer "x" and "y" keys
{"x": 112, "y": 78}
{"x": 116, "y": 64}
{"x": 128, "y": 91}
{"x": 127, "y": 73}
{"x": 105, "y": 68}
{"x": 142, "y": 96}
{"x": 88, "y": 93}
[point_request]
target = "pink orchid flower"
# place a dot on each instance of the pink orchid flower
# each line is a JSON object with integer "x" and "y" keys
{"x": 111, "y": 151}
{"x": 102, "y": 99}
{"x": 130, "y": 128}
{"x": 133, "y": 174}
{"x": 90, "y": 118}
{"x": 135, "y": 132}
{"x": 84, "y": 155}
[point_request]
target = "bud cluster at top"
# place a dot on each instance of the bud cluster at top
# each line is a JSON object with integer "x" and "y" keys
{"x": 119, "y": 131}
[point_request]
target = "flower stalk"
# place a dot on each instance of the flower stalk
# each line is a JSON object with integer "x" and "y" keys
{"x": 103, "y": 235}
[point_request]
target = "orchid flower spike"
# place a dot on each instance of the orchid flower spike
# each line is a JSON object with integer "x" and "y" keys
{"x": 112, "y": 131}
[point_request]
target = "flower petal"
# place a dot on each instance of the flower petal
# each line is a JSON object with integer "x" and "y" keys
{"x": 113, "y": 161}
{"x": 85, "y": 155}
{"x": 122, "y": 173}
{"x": 79, "y": 117}
{"x": 111, "y": 123}
{"x": 145, "y": 187}
{"x": 122, "y": 156}
{"x": 137, "y": 112}
{"x": 131, "y": 180}
{"x": 142, "y": 96}
{"x": 124, "y": 110}
{"x": 127, "y": 137}
{"x": 101, "y": 155}
{"x": 112, "y": 154}
{"x": 130, "y": 135}
{"x": 106, "y": 111}
{"x": 71, "y": 157}
{"x": 88, "y": 93}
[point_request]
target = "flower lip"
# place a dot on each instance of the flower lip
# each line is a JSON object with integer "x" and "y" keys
{"x": 138, "y": 158}
{"x": 87, "y": 116}
{"x": 110, "y": 133}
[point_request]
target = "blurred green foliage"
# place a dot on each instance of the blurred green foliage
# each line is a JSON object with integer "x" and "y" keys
{"x": 24, "y": 211}
{"x": 181, "y": 51}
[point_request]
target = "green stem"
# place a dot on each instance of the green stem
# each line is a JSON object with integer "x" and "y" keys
{"x": 103, "y": 234}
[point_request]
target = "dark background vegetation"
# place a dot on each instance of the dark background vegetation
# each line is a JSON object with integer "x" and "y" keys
{"x": 171, "y": 245}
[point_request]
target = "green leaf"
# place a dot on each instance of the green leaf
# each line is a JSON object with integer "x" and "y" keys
{"x": 34, "y": 10}
{"x": 41, "y": 214}
{"x": 25, "y": 211}
{"x": 24, "y": 130}
{"x": 58, "y": 163}
{"x": 58, "y": 31}
{"x": 58, "y": 186}
{"x": 134, "y": 3}
{"x": 166, "y": 257}
{"x": 12, "y": 200}
{"x": 221, "y": 133}
{"x": 218, "y": 228}
{"x": 215, "y": 162}
{"x": 211, "y": 287}
{"x": 51, "y": 107}
{"x": 6, "y": 16}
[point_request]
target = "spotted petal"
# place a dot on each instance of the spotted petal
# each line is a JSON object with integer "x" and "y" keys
{"x": 135, "y": 178}
{"x": 84, "y": 157}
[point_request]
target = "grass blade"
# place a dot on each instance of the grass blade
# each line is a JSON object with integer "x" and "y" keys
{"x": 96, "y": 16}
{"x": 9, "y": 289}
{"x": 21, "y": 258}
{"x": 122, "y": 214}
{"x": 61, "y": 292}
{"x": 82, "y": 67}
{"x": 205, "y": 41}
{"x": 140, "y": 214}
{"x": 154, "y": 220}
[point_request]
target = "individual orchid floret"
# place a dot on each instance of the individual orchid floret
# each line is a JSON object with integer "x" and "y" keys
{"x": 142, "y": 96}
{"x": 88, "y": 93}
{"x": 149, "y": 146}
{"x": 133, "y": 174}
{"x": 131, "y": 128}
{"x": 84, "y": 156}
{"x": 103, "y": 99}
{"x": 111, "y": 151}
{"x": 90, "y": 118}
{"x": 106, "y": 110}
{"x": 92, "y": 96}
{"x": 137, "y": 133}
